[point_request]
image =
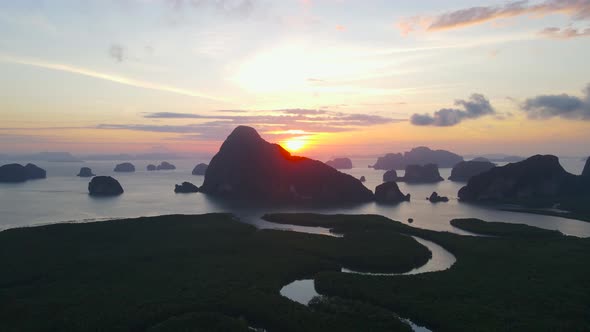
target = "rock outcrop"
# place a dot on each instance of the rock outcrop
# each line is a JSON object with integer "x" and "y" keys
{"x": 200, "y": 169}
{"x": 390, "y": 176}
{"x": 435, "y": 198}
{"x": 538, "y": 180}
{"x": 586, "y": 171}
{"x": 20, "y": 173}
{"x": 363, "y": 179}
{"x": 249, "y": 168}
{"x": 85, "y": 172}
{"x": 151, "y": 167}
{"x": 186, "y": 188}
{"x": 418, "y": 156}
{"x": 125, "y": 168}
{"x": 389, "y": 192}
{"x": 465, "y": 170}
{"x": 104, "y": 186}
{"x": 340, "y": 163}
{"x": 165, "y": 166}
{"x": 421, "y": 174}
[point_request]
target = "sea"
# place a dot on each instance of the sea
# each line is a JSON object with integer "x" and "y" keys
{"x": 63, "y": 197}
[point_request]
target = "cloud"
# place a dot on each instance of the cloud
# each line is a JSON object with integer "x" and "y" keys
{"x": 227, "y": 7}
{"x": 574, "y": 9}
{"x": 565, "y": 33}
{"x": 562, "y": 105}
{"x": 476, "y": 107}
{"x": 104, "y": 76}
{"x": 117, "y": 52}
{"x": 278, "y": 122}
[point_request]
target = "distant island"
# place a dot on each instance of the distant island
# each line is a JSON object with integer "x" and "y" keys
{"x": 43, "y": 156}
{"x": 418, "y": 156}
{"x": 465, "y": 170}
{"x": 165, "y": 166}
{"x": 421, "y": 174}
{"x": 20, "y": 173}
{"x": 340, "y": 163}
{"x": 85, "y": 172}
{"x": 499, "y": 158}
{"x": 124, "y": 168}
{"x": 200, "y": 169}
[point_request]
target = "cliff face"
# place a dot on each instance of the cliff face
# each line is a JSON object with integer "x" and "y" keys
{"x": 586, "y": 171}
{"x": 248, "y": 167}
{"x": 538, "y": 178}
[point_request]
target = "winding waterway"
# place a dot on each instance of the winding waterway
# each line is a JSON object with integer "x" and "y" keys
{"x": 303, "y": 291}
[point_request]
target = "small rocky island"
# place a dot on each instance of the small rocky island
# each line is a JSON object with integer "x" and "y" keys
{"x": 249, "y": 168}
{"x": 421, "y": 174}
{"x": 363, "y": 179}
{"x": 19, "y": 173}
{"x": 200, "y": 169}
{"x": 165, "y": 166}
{"x": 151, "y": 167}
{"x": 539, "y": 180}
{"x": 389, "y": 192}
{"x": 104, "y": 186}
{"x": 418, "y": 156}
{"x": 186, "y": 188}
{"x": 125, "y": 168}
{"x": 465, "y": 170}
{"x": 340, "y": 163}
{"x": 435, "y": 198}
{"x": 85, "y": 172}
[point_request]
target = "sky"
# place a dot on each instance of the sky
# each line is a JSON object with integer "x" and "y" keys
{"x": 331, "y": 77}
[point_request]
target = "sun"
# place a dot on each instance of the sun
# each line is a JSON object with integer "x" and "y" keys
{"x": 294, "y": 144}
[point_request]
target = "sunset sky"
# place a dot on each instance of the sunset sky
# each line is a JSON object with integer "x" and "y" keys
{"x": 346, "y": 77}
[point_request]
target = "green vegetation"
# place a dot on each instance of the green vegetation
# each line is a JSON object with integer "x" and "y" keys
{"x": 175, "y": 273}
{"x": 574, "y": 209}
{"x": 362, "y": 237}
{"x": 502, "y": 229}
{"x": 201, "y": 321}
{"x": 212, "y": 273}
{"x": 529, "y": 281}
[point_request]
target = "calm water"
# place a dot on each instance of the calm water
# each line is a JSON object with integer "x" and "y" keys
{"x": 441, "y": 260}
{"x": 64, "y": 197}
{"x": 303, "y": 291}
